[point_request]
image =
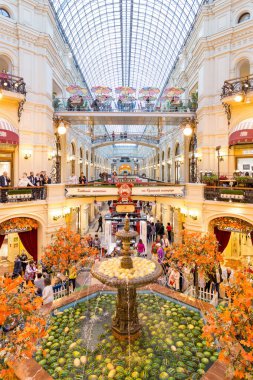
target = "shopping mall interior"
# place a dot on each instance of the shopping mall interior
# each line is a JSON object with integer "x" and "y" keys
{"x": 126, "y": 129}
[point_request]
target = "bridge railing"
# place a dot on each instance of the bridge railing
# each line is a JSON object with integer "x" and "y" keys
{"x": 81, "y": 104}
{"x": 125, "y": 137}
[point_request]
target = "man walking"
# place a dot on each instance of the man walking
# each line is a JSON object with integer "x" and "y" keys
{"x": 100, "y": 223}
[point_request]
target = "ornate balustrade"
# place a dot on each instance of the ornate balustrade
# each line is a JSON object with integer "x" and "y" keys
{"x": 224, "y": 194}
{"x": 22, "y": 194}
{"x": 237, "y": 86}
{"x": 13, "y": 83}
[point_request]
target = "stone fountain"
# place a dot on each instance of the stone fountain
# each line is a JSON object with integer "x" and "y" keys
{"x": 126, "y": 274}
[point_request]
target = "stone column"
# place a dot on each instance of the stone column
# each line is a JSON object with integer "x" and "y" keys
{"x": 143, "y": 232}
{"x": 92, "y": 212}
{"x": 84, "y": 219}
{"x": 108, "y": 233}
{"x": 166, "y": 214}
{"x": 177, "y": 228}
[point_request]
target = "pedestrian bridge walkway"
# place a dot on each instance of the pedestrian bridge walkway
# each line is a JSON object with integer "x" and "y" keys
{"x": 116, "y": 117}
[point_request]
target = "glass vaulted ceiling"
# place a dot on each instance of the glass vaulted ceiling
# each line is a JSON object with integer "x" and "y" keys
{"x": 127, "y": 42}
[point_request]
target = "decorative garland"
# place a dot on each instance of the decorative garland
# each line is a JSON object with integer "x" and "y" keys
{"x": 232, "y": 224}
{"x": 18, "y": 224}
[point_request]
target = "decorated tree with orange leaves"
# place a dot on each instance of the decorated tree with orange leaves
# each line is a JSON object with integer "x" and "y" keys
{"x": 21, "y": 321}
{"x": 67, "y": 247}
{"x": 232, "y": 327}
{"x": 198, "y": 251}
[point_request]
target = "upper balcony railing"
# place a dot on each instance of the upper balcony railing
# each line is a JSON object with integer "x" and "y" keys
{"x": 226, "y": 194}
{"x": 80, "y": 104}
{"x": 237, "y": 86}
{"x": 22, "y": 194}
{"x": 125, "y": 137}
{"x": 9, "y": 82}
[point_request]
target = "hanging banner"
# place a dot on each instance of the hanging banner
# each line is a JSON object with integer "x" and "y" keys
{"x": 163, "y": 191}
{"x": 159, "y": 190}
{"x": 91, "y": 191}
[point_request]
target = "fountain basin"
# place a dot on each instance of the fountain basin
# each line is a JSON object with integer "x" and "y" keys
{"x": 164, "y": 351}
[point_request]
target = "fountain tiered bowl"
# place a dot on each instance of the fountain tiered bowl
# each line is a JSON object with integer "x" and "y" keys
{"x": 126, "y": 274}
{"x": 111, "y": 273}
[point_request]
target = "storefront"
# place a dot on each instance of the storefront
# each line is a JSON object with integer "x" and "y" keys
{"x": 235, "y": 237}
{"x": 9, "y": 140}
{"x": 241, "y": 142}
{"x": 18, "y": 235}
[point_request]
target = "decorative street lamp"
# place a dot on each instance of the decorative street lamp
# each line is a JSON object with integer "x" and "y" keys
{"x": 60, "y": 131}
{"x": 189, "y": 129}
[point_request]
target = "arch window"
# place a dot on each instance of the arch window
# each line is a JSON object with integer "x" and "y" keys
{"x": 177, "y": 164}
{"x": 5, "y": 13}
{"x": 5, "y": 64}
{"x": 169, "y": 166}
{"x": 81, "y": 160}
{"x": 193, "y": 159}
{"x": 177, "y": 150}
{"x": 244, "y": 17}
{"x": 73, "y": 159}
{"x": 243, "y": 68}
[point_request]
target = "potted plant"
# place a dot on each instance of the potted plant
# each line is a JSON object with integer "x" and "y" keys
{"x": 232, "y": 193}
{"x": 243, "y": 180}
{"x": 210, "y": 180}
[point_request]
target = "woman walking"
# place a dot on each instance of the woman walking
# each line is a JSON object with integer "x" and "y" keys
{"x": 141, "y": 249}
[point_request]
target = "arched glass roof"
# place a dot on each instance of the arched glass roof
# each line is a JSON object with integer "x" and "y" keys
{"x": 127, "y": 42}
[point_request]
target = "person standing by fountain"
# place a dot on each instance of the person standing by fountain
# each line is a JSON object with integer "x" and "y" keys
{"x": 141, "y": 249}
{"x": 160, "y": 253}
{"x": 73, "y": 276}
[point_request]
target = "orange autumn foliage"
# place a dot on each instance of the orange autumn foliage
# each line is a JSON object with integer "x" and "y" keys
{"x": 20, "y": 305}
{"x": 232, "y": 326}
{"x": 197, "y": 249}
{"x": 66, "y": 247}
{"x": 19, "y": 223}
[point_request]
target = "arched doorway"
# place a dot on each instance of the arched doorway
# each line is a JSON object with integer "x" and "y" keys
{"x": 81, "y": 160}
{"x": 163, "y": 163}
{"x": 243, "y": 68}
{"x": 177, "y": 163}
{"x": 9, "y": 140}
{"x": 125, "y": 169}
{"x": 73, "y": 159}
{"x": 169, "y": 166}
{"x": 86, "y": 164}
{"x": 5, "y": 64}
{"x": 235, "y": 238}
{"x": 193, "y": 159}
{"x": 18, "y": 235}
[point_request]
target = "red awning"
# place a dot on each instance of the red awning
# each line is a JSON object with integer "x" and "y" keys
{"x": 8, "y": 134}
{"x": 242, "y": 133}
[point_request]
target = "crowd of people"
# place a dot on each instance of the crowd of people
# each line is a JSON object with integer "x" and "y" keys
{"x": 40, "y": 179}
{"x": 46, "y": 283}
